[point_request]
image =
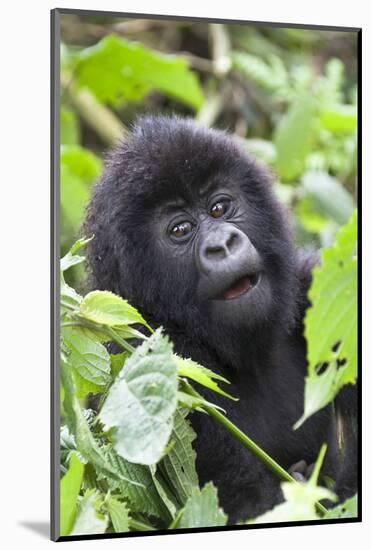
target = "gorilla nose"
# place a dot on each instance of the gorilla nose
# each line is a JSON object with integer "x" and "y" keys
{"x": 223, "y": 249}
{"x": 219, "y": 247}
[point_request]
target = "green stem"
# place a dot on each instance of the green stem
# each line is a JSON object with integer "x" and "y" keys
{"x": 140, "y": 526}
{"x": 68, "y": 306}
{"x": 120, "y": 341}
{"x": 249, "y": 444}
{"x": 110, "y": 332}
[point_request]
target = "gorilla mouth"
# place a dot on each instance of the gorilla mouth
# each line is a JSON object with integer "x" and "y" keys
{"x": 241, "y": 286}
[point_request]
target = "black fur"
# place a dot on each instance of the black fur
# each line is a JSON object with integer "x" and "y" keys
{"x": 262, "y": 350}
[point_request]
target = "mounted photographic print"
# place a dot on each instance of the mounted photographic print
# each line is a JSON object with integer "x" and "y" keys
{"x": 204, "y": 237}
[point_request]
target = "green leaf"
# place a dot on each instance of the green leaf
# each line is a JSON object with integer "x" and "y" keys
{"x": 201, "y": 510}
{"x": 106, "y": 308}
{"x": 168, "y": 498}
{"x": 330, "y": 198}
{"x": 71, "y": 258}
{"x": 117, "y": 362}
{"x": 331, "y": 322}
{"x": 116, "y": 70}
{"x": 119, "y": 514}
{"x": 89, "y": 521}
{"x": 202, "y": 375}
{"x": 142, "y": 400}
{"x": 179, "y": 464}
{"x": 339, "y": 118}
{"x": 69, "y": 491}
{"x": 79, "y": 168}
{"x": 81, "y": 162}
{"x": 300, "y": 498}
{"x": 78, "y": 426}
{"x": 68, "y": 447}
{"x": 347, "y": 509}
{"x": 139, "y": 491}
{"x": 189, "y": 401}
{"x": 195, "y": 403}
{"x": 69, "y": 127}
{"x": 309, "y": 217}
{"x": 293, "y": 137}
{"x": 89, "y": 358}
{"x": 299, "y": 506}
{"x": 69, "y": 297}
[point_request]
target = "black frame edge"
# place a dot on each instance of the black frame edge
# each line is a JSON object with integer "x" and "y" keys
{"x": 196, "y": 19}
{"x": 55, "y": 284}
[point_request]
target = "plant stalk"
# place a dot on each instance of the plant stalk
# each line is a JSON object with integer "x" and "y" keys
{"x": 120, "y": 341}
{"x": 139, "y": 525}
{"x": 257, "y": 451}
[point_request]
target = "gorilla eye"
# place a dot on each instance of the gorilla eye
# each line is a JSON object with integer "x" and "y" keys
{"x": 219, "y": 209}
{"x": 181, "y": 230}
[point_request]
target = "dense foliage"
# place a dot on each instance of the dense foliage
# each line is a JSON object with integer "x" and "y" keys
{"x": 290, "y": 97}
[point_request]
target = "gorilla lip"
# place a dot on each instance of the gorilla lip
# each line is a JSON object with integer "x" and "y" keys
{"x": 241, "y": 286}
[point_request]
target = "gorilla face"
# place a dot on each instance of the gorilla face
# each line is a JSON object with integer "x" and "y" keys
{"x": 211, "y": 233}
{"x": 188, "y": 230}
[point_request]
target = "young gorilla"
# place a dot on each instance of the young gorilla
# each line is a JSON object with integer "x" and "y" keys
{"x": 188, "y": 229}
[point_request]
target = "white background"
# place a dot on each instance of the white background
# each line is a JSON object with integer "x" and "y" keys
{"x": 25, "y": 261}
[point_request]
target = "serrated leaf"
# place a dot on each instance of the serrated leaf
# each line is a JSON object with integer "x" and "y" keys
{"x": 106, "y": 308}
{"x": 293, "y": 137}
{"x": 164, "y": 491}
{"x": 78, "y": 426}
{"x": 201, "y": 510}
{"x": 69, "y": 491}
{"x": 68, "y": 447}
{"x": 202, "y": 375}
{"x": 141, "y": 493}
{"x": 331, "y": 322}
{"x": 179, "y": 464}
{"x": 88, "y": 357}
{"x": 116, "y": 70}
{"x": 347, "y": 509}
{"x": 89, "y": 521}
{"x": 142, "y": 400}
{"x": 119, "y": 514}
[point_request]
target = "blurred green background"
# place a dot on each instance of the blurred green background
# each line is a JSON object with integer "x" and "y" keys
{"x": 289, "y": 95}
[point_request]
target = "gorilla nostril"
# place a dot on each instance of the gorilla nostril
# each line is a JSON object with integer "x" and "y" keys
{"x": 232, "y": 242}
{"x": 216, "y": 252}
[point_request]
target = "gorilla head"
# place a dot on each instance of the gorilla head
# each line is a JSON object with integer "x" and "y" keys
{"x": 187, "y": 228}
